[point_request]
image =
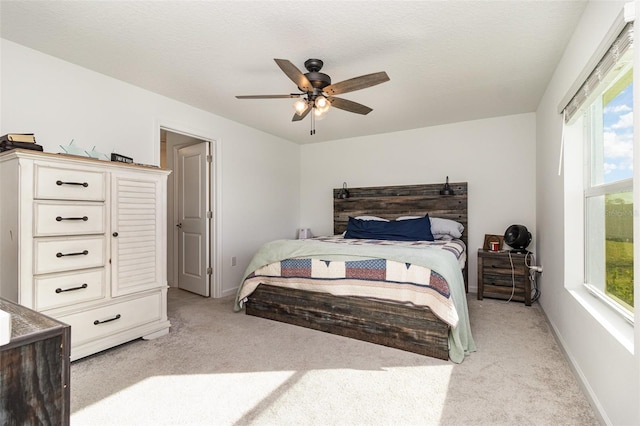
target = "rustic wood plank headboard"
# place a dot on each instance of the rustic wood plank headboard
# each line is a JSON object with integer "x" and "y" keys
{"x": 390, "y": 202}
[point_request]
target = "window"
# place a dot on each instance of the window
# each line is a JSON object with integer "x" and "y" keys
{"x": 609, "y": 190}
{"x": 603, "y": 108}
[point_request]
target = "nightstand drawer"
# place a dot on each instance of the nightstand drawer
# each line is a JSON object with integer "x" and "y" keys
{"x": 502, "y": 280}
{"x": 54, "y": 183}
{"x": 502, "y": 265}
{"x": 504, "y": 292}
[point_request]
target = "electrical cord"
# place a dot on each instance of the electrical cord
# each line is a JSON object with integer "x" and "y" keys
{"x": 535, "y": 292}
{"x": 513, "y": 278}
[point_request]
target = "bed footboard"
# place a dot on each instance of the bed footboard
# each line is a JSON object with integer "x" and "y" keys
{"x": 398, "y": 326}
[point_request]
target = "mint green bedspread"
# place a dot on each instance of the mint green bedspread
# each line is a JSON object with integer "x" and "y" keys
{"x": 441, "y": 261}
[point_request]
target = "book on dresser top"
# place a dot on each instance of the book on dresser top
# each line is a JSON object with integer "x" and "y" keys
{"x": 18, "y": 137}
{"x": 8, "y": 145}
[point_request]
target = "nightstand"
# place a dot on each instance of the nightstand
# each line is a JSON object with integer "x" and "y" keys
{"x": 497, "y": 277}
{"x": 34, "y": 379}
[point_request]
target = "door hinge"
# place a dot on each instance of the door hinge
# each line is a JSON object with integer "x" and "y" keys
{"x": 209, "y": 158}
{"x": 209, "y": 271}
{"x": 209, "y": 215}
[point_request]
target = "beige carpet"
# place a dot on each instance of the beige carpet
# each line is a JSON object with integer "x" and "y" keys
{"x": 217, "y": 367}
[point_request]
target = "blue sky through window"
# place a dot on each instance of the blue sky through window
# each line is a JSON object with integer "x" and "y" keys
{"x": 618, "y": 136}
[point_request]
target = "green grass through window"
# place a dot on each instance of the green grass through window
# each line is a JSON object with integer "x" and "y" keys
{"x": 619, "y": 258}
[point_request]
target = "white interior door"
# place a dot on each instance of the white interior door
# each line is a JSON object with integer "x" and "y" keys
{"x": 193, "y": 219}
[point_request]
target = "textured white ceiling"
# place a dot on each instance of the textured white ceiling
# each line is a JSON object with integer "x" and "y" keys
{"x": 448, "y": 61}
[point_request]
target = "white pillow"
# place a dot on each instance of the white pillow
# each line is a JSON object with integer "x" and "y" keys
{"x": 446, "y": 227}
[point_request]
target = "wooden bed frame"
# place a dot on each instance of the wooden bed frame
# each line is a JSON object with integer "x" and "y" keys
{"x": 398, "y": 326}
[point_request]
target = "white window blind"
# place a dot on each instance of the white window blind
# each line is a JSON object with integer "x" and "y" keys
{"x": 619, "y": 54}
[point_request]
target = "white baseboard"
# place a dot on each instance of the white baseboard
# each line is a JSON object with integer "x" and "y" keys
{"x": 582, "y": 379}
{"x": 230, "y": 292}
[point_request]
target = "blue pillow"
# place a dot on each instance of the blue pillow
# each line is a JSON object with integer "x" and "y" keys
{"x": 401, "y": 230}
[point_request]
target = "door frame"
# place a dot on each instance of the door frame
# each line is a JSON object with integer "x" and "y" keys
{"x": 215, "y": 197}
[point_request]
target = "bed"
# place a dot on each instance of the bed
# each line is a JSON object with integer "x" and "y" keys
{"x": 336, "y": 284}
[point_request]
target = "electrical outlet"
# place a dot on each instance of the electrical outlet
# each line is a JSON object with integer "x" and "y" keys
{"x": 234, "y": 261}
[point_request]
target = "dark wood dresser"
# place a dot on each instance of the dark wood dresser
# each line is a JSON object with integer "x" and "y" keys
{"x": 34, "y": 369}
{"x": 503, "y": 275}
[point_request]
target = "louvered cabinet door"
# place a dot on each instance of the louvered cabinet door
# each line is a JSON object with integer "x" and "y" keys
{"x": 138, "y": 223}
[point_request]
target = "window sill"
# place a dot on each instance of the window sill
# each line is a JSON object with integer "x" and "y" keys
{"x": 616, "y": 325}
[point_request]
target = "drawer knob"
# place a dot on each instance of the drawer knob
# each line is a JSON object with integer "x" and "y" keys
{"x": 60, "y": 183}
{"x": 80, "y": 253}
{"x": 115, "y": 234}
{"x": 59, "y": 290}
{"x": 83, "y": 218}
{"x": 96, "y": 322}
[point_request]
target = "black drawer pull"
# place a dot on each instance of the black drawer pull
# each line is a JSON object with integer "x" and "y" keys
{"x": 83, "y": 218}
{"x": 96, "y": 322}
{"x": 80, "y": 253}
{"x": 60, "y": 183}
{"x": 59, "y": 290}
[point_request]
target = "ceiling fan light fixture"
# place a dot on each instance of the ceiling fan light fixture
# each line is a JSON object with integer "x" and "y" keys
{"x": 300, "y": 106}
{"x": 322, "y": 104}
{"x": 319, "y": 114}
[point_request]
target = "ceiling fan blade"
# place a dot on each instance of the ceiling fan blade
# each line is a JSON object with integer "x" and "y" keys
{"x": 297, "y": 117}
{"x": 348, "y": 105}
{"x": 293, "y": 95}
{"x": 357, "y": 83}
{"x": 294, "y": 74}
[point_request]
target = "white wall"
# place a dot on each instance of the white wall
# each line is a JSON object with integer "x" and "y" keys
{"x": 257, "y": 183}
{"x": 495, "y": 156}
{"x": 608, "y": 371}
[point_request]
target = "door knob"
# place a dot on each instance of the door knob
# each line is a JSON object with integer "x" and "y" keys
{"x": 179, "y": 225}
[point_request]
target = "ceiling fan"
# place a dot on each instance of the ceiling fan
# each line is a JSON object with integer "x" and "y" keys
{"x": 317, "y": 91}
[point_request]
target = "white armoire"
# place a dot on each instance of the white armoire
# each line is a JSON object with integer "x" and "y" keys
{"x": 84, "y": 241}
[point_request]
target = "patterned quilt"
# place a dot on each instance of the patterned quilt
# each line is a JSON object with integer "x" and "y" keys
{"x": 455, "y": 247}
{"x": 377, "y": 278}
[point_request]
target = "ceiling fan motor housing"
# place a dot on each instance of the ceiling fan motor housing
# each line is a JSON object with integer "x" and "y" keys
{"x": 317, "y": 79}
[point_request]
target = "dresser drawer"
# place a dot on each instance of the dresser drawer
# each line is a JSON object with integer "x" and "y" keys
{"x": 59, "y": 255}
{"x": 104, "y": 321}
{"x": 54, "y": 183}
{"x": 67, "y": 219}
{"x": 58, "y": 290}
